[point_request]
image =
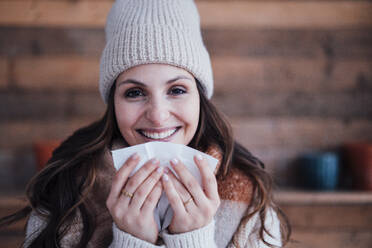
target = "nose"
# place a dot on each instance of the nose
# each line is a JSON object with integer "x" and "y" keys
{"x": 157, "y": 112}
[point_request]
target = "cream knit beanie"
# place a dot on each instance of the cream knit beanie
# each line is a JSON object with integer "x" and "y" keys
{"x": 154, "y": 31}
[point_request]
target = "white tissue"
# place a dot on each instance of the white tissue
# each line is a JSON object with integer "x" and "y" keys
{"x": 164, "y": 151}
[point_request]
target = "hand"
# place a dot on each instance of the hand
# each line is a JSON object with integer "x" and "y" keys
{"x": 132, "y": 201}
{"x": 193, "y": 206}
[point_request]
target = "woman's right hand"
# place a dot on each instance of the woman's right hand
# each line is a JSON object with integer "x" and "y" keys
{"x": 133, "y": 212}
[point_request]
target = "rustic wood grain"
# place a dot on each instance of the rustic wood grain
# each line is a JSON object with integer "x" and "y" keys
{"x": 312, "y": 216}
{"x": 12, "y": 235}
{"x": 341, "y": 105}
{"x": 49, "y": 105}
{"x": 57, "y": 73}
{"x": 234, "y": 74}
{"x": 8, "y": 205}
{"x": 330, "y": 238}
{"x": 298, "y": 43}
{"x": 328, "y": 225}
{"x": 11, "y": 240}
{"x": 278, "y": 142}
{"x": 25, "y": 106}
{"x": 258, "y": 43}
{"x": 346, "y": 199}
{"x": 21, "y": 134}
{"x": 231, "y": 74}
{"x": 288, "y": 14}
{"x": 309, "y": 14}
{"x": 4, "y": 73}
{"x": 289, "y": 133}
{"x": 54, "y": 13}
{"x": 22, "y": 41}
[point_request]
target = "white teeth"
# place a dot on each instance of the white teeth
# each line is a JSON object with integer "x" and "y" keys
{"x": 161, "y": 135}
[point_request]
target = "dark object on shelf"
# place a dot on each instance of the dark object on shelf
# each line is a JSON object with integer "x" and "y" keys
{"x": 358, "y": 158}
{"x": 319, "y": 171}
{"x": 43, "y": 151}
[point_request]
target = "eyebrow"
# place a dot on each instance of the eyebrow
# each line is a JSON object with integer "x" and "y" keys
{"x": 133, "y": 81}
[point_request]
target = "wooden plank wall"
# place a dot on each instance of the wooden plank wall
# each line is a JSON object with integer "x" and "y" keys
{"x": 292, "y": 76}
{"x": 327, "y": 225}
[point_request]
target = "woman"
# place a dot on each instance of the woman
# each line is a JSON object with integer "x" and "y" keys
{"x": 156, "y": 80}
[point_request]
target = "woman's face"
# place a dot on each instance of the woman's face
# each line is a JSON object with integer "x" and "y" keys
{"x": 156, "y": 102}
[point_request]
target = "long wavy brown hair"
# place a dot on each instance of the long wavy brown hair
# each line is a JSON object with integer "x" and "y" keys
{"x": 58, "y": 194}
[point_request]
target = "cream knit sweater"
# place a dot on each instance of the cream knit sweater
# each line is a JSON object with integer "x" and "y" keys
{"x": 216, "y": 234}
{"x": 235, "y": 197}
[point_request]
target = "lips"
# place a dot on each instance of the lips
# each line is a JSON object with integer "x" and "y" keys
{"x": 158, "y": 134}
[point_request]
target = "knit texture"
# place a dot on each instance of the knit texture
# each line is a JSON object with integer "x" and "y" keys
{"x": 154, "y": 31}
{"x": 216, "y": 234}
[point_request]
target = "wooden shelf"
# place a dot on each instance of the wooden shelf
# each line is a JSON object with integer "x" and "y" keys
{"x": 284, "y": 197}
{"x": 290, "y": 197}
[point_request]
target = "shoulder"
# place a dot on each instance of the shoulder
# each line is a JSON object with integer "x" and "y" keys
{"x": 250, "y": 232}
{"x": 235, "y": 186}
{"x": 36, "y": 223}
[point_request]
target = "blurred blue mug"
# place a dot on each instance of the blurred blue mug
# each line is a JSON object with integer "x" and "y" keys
{"x": 319, "y": 171}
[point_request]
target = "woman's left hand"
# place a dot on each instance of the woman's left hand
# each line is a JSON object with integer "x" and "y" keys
{"x": 194, "y": 206}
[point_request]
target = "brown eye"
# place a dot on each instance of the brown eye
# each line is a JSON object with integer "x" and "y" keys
{"x": 133, "y": 93}
{"x": 177, "y": 91}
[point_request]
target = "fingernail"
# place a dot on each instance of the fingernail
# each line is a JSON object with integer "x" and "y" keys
{"x": 135, "y": 155}
{"x": 166, "y": 170}
{"x": 175, "y": 161}
{"x": 199, "y": 157}
{"x": 159, "y": 170}
{"x": 154, "y": 161}
{"x": 165, "y": 177}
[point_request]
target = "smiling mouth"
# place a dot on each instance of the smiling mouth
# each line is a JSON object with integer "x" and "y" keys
{"x": 158, "y": 135}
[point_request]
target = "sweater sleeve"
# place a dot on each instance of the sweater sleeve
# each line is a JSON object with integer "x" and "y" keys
{"x": 203, "y": 237}
{"x": 249, "y": 237}
{"x": 37, "y": 223}
{"x": 272, "y": 224}
{"x": 123, "y": 239}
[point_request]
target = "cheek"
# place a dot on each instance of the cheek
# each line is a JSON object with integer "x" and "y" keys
{"x": 196, "y": 113}
{"x": 191, "y": 112}
{"x": 125, "y": 118}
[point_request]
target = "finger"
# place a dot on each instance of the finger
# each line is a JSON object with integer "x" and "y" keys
{"x": 173, "y": 197}
{"x": 187, "y": 199}
{"x": 182, "y": 191}
{"x": 189, "y": 181}
{"x": 145, "y": 188}
{"x": 190, "y": 206}
{"x": 134, "y": 181}
{"x": 209, "y": 181}
{"x": 122, "y": 175}
{"x": 153, "y": 198}
{"x": 140, "y": 176}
